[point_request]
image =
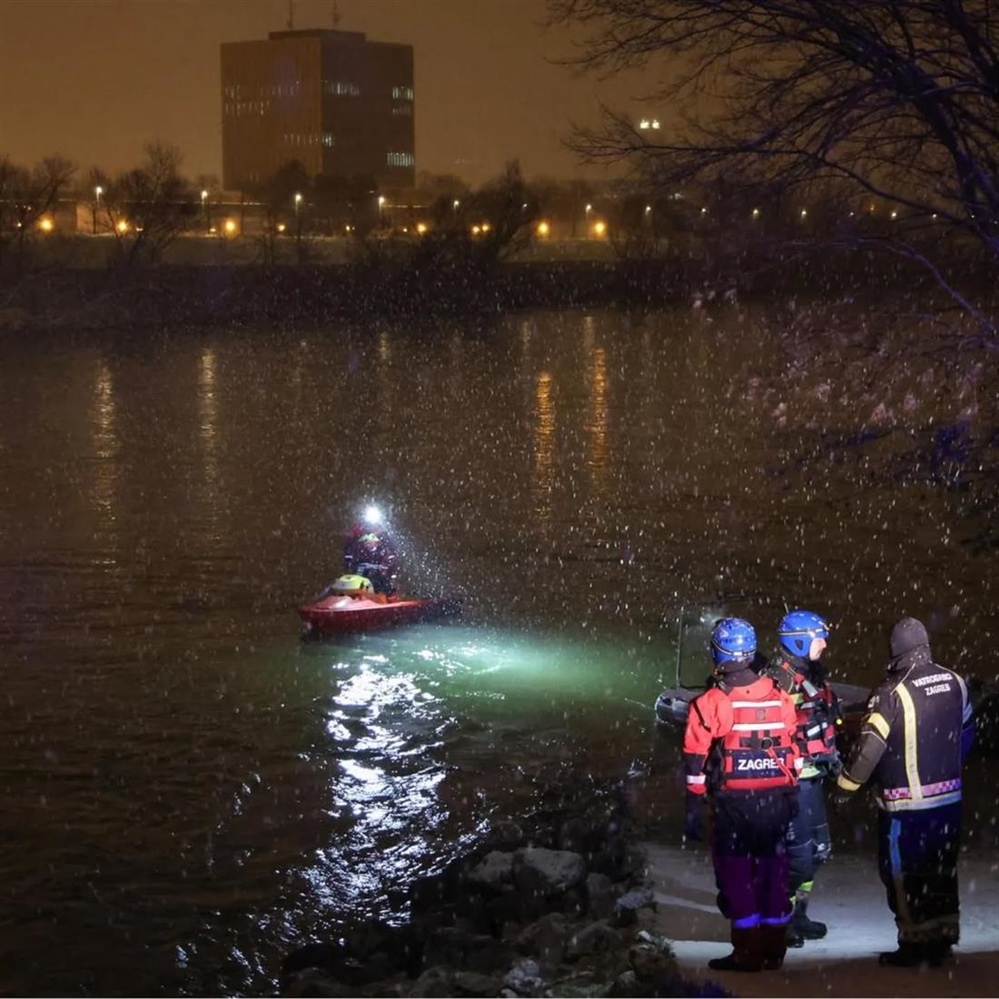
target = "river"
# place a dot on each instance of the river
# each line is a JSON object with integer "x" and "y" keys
{"x": 189, "y": 791}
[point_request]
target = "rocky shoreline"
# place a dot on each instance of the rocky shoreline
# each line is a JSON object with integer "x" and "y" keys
{"x": 552, "y": 904}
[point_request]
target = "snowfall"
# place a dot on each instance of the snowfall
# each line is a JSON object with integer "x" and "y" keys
{"x": 850, "y": 899}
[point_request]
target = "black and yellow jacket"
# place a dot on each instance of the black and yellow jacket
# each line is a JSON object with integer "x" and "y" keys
{"x": 912, "y": 741}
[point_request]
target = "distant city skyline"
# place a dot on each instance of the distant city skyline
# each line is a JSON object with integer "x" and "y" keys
{"x": 95, "y": 80}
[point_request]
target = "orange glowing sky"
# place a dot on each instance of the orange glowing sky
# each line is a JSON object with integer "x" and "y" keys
{"x": 94, "y": 80}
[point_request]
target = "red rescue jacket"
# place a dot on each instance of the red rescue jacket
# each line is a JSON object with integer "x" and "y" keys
{"x": 741, "y": 739}
{"x": 818, "y": 713}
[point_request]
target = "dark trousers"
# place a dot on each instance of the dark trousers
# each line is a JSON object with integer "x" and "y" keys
{"x": 749, "y": 851}
{"x": 917, "y": 860}
{"x": 810, "y": 843}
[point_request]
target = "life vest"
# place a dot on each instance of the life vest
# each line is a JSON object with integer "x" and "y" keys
{"x": 757, "y": 750}
{"x": 818, "y": 715}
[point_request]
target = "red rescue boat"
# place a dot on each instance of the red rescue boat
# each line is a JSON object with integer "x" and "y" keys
{"x": 343, "y": 609}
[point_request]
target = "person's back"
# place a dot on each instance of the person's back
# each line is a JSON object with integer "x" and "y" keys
{"x": 915, "y": 733}
{"x": 743, "y": 712}
{"x": 741, "y": 755}
{"x": 911, "y": 745}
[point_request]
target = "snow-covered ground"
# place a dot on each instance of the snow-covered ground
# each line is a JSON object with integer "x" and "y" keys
{"x": 848, "y": 897}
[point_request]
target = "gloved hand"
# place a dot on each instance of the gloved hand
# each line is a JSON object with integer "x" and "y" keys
{"x": 695, "y": 819}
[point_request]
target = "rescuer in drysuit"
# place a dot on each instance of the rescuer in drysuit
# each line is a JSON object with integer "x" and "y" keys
{"x": 913, "y": 740}
{"x": 368, "y": 550}
{"x": 741, "y": 754}
{"x": 798, "y": 672}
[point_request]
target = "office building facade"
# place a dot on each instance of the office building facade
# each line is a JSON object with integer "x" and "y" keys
{"x": 341, "y": 105}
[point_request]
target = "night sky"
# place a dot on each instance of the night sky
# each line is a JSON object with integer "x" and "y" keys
{"x": 94, "y": 80}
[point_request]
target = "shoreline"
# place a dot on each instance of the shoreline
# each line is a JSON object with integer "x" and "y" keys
{"x": 849, "y": 897}
{"x": 379, "y": 286}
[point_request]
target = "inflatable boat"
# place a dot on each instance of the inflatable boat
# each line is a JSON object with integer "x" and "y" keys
{"x": 673, "y": 703}
{"x": 350, "y": 606}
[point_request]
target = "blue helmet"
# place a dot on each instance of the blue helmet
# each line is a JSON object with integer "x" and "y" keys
{"x": 733, "y": 641}
{"x": 798, "y": 628}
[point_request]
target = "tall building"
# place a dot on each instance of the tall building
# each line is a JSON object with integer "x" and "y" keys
{"x": 331, "y": 99}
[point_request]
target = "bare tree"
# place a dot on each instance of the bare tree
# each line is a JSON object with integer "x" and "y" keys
{"x": 485, "y": 226}
{"x": 894, "y": 100}
{"x": 26, "y": 195}
{"x": 150, "y": 206}
{"x": 511, "y": 207}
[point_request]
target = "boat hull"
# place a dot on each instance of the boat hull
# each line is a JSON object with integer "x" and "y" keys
{"x": 338, "y": 614}
{"x": 673, "y": 703}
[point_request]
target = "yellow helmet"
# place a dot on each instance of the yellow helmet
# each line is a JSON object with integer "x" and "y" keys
{"x": 353, "y": 585}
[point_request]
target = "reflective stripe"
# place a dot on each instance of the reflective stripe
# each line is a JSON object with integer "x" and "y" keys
{"x": 879, "y": 724}
{"x": 695, "y": 780}
{"x": 758, "y": 726}
{"x": 926, "y": 791}
{"x": 910, "y": 741}
{"x": 847, "y": 783}
{"x": 919, "y": 804}
{"x": 965, "y": 701}
{"x": 901, "y": 902}
{"x": 756, "y": 704}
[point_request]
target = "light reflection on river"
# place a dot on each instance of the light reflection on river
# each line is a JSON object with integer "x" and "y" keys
{"x": 188, "y": 791}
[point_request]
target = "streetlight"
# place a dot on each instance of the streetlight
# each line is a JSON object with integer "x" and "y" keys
{"x": 204, "y": 210}
{"x": 381, "y": 212}
{"x": 98, "y": 191}
{"x": 586, "y": 221}
{"x": 298, "y": 219}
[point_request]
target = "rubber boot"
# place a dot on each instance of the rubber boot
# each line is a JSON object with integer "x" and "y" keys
{"x": 908, "y": 955}
{"x": 792, "y": 936}
{"x": 747, "y": 951}
{"x": 801, "y": 927}
{"x": 774, "y": 946}
{"x": 791, "y": 933}
{"x": 938, "y": 953}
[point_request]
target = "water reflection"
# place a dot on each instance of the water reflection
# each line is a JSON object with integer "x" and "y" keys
{"x": 543, "y": 482}
{"x": 383, "y": 728}
{"x": 208, "y": 437}
{"x": 106, "y": 444}
{"x": 599, "y": 451}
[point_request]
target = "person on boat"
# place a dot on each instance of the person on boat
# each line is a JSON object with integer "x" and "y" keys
{"x": 798, "y": 671}
{"x": 369, "y": 550}
{"x": 741, "y": 756}
{"x": 913, "y": 740}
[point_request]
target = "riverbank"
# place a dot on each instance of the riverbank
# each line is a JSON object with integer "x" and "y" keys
{"x": 374, "y": 282}
{"x": 849, "y": 898}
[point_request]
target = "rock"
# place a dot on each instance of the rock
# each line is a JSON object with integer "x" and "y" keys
{"x": 627, "y": 906}
{"x": 599, "y": 895}
{"x": 495, "y": 871}
{"x": 518, "y": 921}
{"x": 547, "y": 871}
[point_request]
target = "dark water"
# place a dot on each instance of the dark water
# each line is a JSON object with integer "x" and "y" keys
{"x": 188, "y": 791}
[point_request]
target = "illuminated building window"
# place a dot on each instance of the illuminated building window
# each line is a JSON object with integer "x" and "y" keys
{"x": 402, "y": 93}
{"x": 328, "y": 139}
{"x": 341, "y": 88}
{"x": 400, "y": 159}
{"x": 404, "y": 109}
